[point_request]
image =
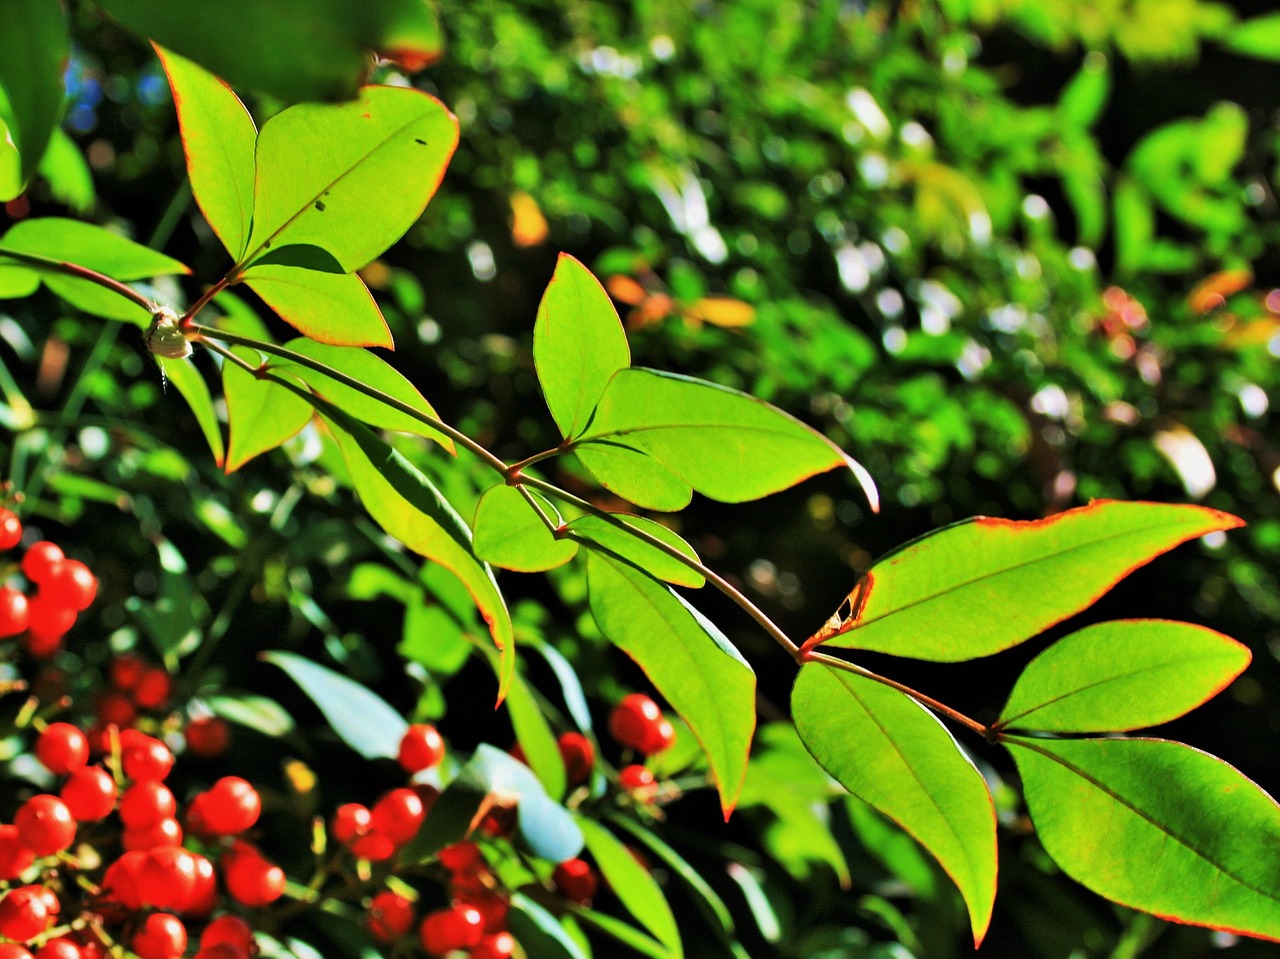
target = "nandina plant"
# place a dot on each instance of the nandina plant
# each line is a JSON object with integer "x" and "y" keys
{"x": 492, "y": 844}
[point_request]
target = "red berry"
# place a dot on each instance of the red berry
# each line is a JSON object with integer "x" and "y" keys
{"x": 221, "y": 950}
{"x": 167, "y": 832}
{"x": 636, "y": 779}
{"x": 125, "y": 671}
{"x": 11, "y": 950}
{"x": 161, "y": 936}
{"x": 153, "y": 688}
{"x": 60, "y": 948}
{"x": 90, "y": 793}
{"x": 10, "y": 530}
{"x": 579, "y": 757}
{"x": 398, "y": 815}
{"x": 145, "y": 758}
{"x": 204, "y": 894}
{"x": 576, "y": 880}
{"x": 637, "y": 723}
{"x": 47, "y": 618}
{"x": 166, "y": 878}
{"x": 373, "y": 846}
{"x": 115, "y": 709}
{"x": 350, "y": 822}
{"x": 232, "y": 806}
{"x": 445, "y": 930}
{"x": 15, "y": 857}
{"x": 461, "y": 857}
{"x": 390, "y": 916}
{"x": 13, "y": 612}
{"x": 70, "y": 583}
{"x": 45, "y": 825}
{"x": 39, "y": 561}
{"x": 500, "y": 945}
{"x": 120, "y": 881}
{"x": 208, "y": 736}
{"x": 39, "y": 645}
{"x": 251, "y": 880}
{"x": 24, "y": 913}
{"x": 493, "y": 906}
{"x": 229, "y": 931}
{"x": 62, "y": 748}
{"x": 146, "y": 803}
{"x": 421, "y": 748}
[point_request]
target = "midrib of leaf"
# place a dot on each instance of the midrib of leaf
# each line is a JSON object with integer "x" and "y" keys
{"x": 1161, "y": 827}
{"x": 250, "y": 256}
{"x": 604, "y": 437}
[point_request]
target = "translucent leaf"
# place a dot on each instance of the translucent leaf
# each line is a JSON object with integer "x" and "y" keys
{"x": 1258, "y": 37}
{"x": 896, "y": 756}
{"x": 1123, "y": 675}
{"x": 67, "y": 171}
{"x": 1157, "y": 826}
{"x": 652, "y": 560}
{"x": 62, "y": 240}
{"x": 508, "y": 533}
{"x": 191, "y": 385}
{"x": 533, "y": 733}
{"x": 335, "y": 308}
{"x": 261, "y": 414}
{"x": 635, "y": 476}
{"x": 633, "y": 884}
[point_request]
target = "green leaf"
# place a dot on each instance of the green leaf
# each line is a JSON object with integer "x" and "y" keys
{"x": 575, "y": 699}
{"x": 624, "y": 933}
{"x": 595, "y": 529}
{"x": 1135, "y": 224}
{"x": 258, "y": 713}
{"x": 688, "y": 660}
{"x": 545, "y": 827}
{"x": 291, "y": 49}
{"x": 261, "y": 413}
{"x": 170, "y": 621}
{"x": 726, "y": 445}
{"x": 1258, "y": 37}
{"x": 1085, "y": 95}
{"x": 1123, "y": 675}
{"x": 361, "y": 717}
{"x": 188, "y": 381}
{"x": 11, "y": 184}
{"x": 508, "y": 533}
{"x": 372, "y": 371}
{"x": 539, "y": 933}
{"x": 578, "y": 344}
{"x": 896, "y": 756}
{"x": 982, "y": 585}
{"x": 348, "y": 179}
{"x": 635, "y": 476}
{"x": 335, "y": 308}
{"x": 17, "y": 281}
{"x": 405, "y": 504}
{"x": 61, "y": 240}
{"x": 218, "y": 137}
{"x": 89, "y": 297}
{"x": 1157, "y": 826}
{"x": 68, "y": 173}
{"x": 632, "y": 883}
{"x": 33, "y": 53}
{"x": 533, "y": 733}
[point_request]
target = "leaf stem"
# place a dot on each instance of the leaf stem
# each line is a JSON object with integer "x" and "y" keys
{"x": 84, "y": 273}
{"x": 514, "y": 471}
{"x": 187, "y": 321}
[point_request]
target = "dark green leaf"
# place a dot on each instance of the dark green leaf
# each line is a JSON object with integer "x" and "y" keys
{"x": 621, "y": 931}
{"x": 632, "y": 883}
{"x": 1157, "y": 826}
{"x": 538, "y": 932}
{"x": 655, "y": 562}
{"x": 894, "y": 755}
{"x": 33, "y": 53}
{"x": 510, "y": 534}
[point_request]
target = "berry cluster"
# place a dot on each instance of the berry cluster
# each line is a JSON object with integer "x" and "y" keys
{"x": 59, "y": 590}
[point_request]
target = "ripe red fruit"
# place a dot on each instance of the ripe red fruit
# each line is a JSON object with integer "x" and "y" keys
{"x": 146, "y": 803}
{"x": 153, "y": 688}
{"x": 60, "y": 948}
{"x": 461, "y": 857}
{"x": 40, "y": 559}
{"x": 398, "y": 815}
{"x": 161, "y": 936}
{"x": 45, "y": 825}
{"x": 166, "y": 878}
{"x": 350, "y": 822}
{"x": 10, "y": 529}
{"x": 390, "y": 916}
{"x": 120, "y": 881}
{"x": 39, "y": 645}
{"x": 251, "y": 880}
{"x": 231, "y": 806}
{"x": 493, "y": 906}
{"x": 576, "y": 880}
{"x": 421, "y": 748}
{"x": 638, "y": 780}
{"x": 579, "y": 757}
{"x": 115, "y": 709}
{"x": 11, "y": 950}
{"x": 15, "y": 857}
{"x": 24, "y": 913}
{"x": 125, "y": 671}
{"x": 204, "y": 894}
{"x": 637, "y": 723}
{"x": 47, "y": 619}
{"x": 167, "y": 832}
{"x": 373, "y": 846}
{"x": 70, "y": 583}
{"x": 445, "y": 930}
{"x": 13, "y": 612}
{"x": 62, "y": 748}
{"x": 500, "y": 945}
{"x": 221, "y": 950}
{"x": 230, "y": 931}
{"x": 145, "y": 758}
{"x": 208, "y": 736}
{"x": 90, "y": 793}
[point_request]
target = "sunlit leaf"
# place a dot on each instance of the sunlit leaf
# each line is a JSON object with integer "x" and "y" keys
{"x": 539, "y": 933}
{"x": 896, "y": 756}
{"x": 218, "y": 137}
{"x": 982, "y": 585}
{"x": 1085, "y": 95}
{"x": 1157, "y": 826}
{"x": 652, "y": 560}
{"x": 261, "y": 414}
{"x": 688, "y": 660}
{"x": 510, "y": 534}
{"x": 334, "y": 308}
{"x": 578, "y": 344}
{"x": 632, "y": 883}
{"x": 1258, "y": 37}
{"x": 258, "y": 713}
{"x": 187, "y": 380}
{"x": 635, "y": 476}
{"x": 361, "y": 717}
{"x": 61, "y": 240}
{"x": 33, "y": 55}
{"x": 67, "y": 172}
{"x": 545, "y": 827}
{"x": 533, "y": 732}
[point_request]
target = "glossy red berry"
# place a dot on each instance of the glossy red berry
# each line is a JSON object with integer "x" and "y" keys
{"x": 493, "y": 906}
{"x": 166, "y": 878}
{"x": 421, "y": 748}
{"x": 24, "y": 913}
{"x": 11, "y": 950}
{"x": 204, "y": 894}
{"x": 390, "y": 916}
{"x": 13, "y": 612}
{"x": 60, "y": 948}
{"x": 499, "y": 945}
{"x": 167, "y": 832}
{"x": 62, "y": 748}
{"x": 373, "y": 846}
{"x": 40, "y": 560}
{"x": 115, "y": 709}
{"x": 251, "y": 880}
{"x": 120, "y": 881}
{"x": 146, "y": 803}
{"x": 10, "y": 529}
{"x": 576, "y": 880}
{"x": 90, "y": 793}
{"x": 125, "y": 672}
{"x": 70, "y": 583}
{"x": 145, "y": 758}
{"x": 637, "y": 780}
{"x": 45, "y": 825}
{"x": 229, "y": 931}
{"x": 231, "y": 806}
{"x": 579, "y": 757}
{"x": 350, "y": 822}
{"x": 153, "y": 688}
{"x": 161, "y": 936}
{"x": 208, "y": 736}
{"x": 461, "y": 857}
{"x": 48, "y": 619}
{"x": 445, "y": 930}
{"x": 15, "y": 857}
{"x": 637, "y": 723}
{"x": 398, "y": 815}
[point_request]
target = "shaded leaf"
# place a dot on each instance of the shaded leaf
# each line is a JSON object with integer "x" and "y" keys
{"x": 570, "y": 686}
{"x": 539, "y": 933}
{"x": 218, "y": 137}
{"x": 896, "y": 756}
{"x": 982, "y": 585}
{"x": 634, "y": 476}
{"x": 33, "y": 54}
{"x": 578, "y": 344}
{"x": 508, "y": 533}
{"x": 1157, "y": 826}
{"x": 261, "y": 413}
{"x": 533, "y": 732}
{"x": 688, "y": 660}
{"x": 187, "y": 380}
{"x": 361, "y": 717}
{"x": 256, "y": 712}
{"x": 67, "y": 171}
{"x": 622, "y": 932}
{"x": 89, "y": 297}
{"x": 1123, "y": 675}
{"x": 652, "y": 560}
{"x": 633, "y": 884}
{"x": 335, "y": 308}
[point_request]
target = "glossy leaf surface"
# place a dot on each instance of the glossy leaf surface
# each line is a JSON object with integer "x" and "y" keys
{"x": 726, "y": 445}
{"x": 261, "y": 413}
{"x": 508, "y": 533}
{"x": 292, "y": 49}
{"x": 360, "y": 716}
{"x": 578, "y": 344}
{"x": 632, "y": 883}
{"x": 218, "y": 138}
{"x": 1123, "y": 675}
{"x": 334, "y": 308}
{"x": 347, "y": 179}
{"x": 1157, "y": 826}
{"x": 983, "y": 585}
{"x": 648, "y": 557}
{"x": 546, "y": 828}
{"x": 33, "y": 55}
{"x": 688, "y": 660}
{"x": 896, "y": 756}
